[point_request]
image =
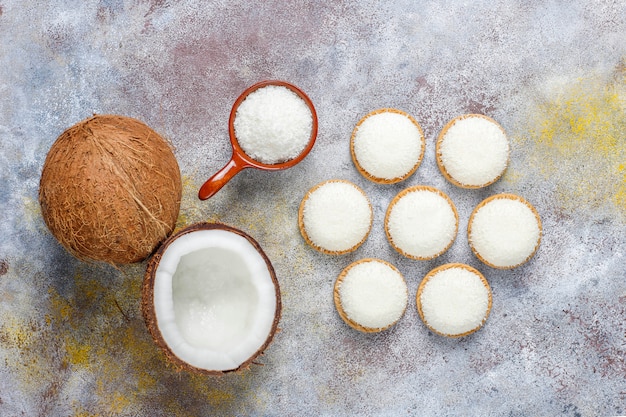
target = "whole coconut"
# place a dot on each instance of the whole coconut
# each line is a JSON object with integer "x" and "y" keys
{"x": 110, "y": 189}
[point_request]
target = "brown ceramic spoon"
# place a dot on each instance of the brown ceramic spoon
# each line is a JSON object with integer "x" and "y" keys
{"x": 240, "y": 160}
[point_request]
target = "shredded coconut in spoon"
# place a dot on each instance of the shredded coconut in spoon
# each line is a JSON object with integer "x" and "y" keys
{"x": 273, "y": 124}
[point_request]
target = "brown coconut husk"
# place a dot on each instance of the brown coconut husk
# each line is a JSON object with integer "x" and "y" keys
{"x": 149, "y": 313}
{"x": 110, "y": 189}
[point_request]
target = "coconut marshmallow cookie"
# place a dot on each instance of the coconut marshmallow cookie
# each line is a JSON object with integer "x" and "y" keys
{"x": 504, "y": 231}
{"x": 472, "y": 151}
{"x": 370, "y": 295}
{"x": 273, "y": 124}
{"x": 421, "y": 222}
{"x": 454, "y": 300}
{"x": 335, "y": 217}
{"x": 210, "y": 299}
{"x": 387, "y": 146}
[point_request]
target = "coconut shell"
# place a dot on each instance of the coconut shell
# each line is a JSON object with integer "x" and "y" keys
{"x": 149, "y": 312}
{"x": 110, "y": 189}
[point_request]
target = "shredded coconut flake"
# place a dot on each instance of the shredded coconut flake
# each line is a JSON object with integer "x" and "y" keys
{"x": 373, "y": 294}
{"x": 422, "y": 224}
{"x": 454, "y": 301}
{"x": 337, "y": 216}
{"x": 388, "y": 145}
{"x": 504, "y": 232}
{"x": 273, "y": 124}
{"x": 474, "y": 151}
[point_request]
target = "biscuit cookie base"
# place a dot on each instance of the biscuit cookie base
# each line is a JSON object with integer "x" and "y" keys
{"x": 440, "y": 163}
{"x": 302, "y": 227}
{"x": 402, "y": 194}
{"x": 425, "y": 280}
{"x": 485, "y": 202}
{"x": 371, "y": 177}
{"x": 337, "y": 298}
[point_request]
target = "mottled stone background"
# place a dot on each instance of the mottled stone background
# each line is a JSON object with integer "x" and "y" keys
{"x": 552, "y": 72}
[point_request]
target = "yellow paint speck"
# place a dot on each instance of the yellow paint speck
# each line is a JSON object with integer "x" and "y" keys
{"x": 77, "y": 353}
{"x": 577, "y": 140}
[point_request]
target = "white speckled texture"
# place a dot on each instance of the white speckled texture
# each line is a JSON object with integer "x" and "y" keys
{"x": 473, "y": 151}
{"x": 421, "y": 223}
{"x": 387, "y": 145}
{"x": 454, "y": 301}
{"x": 551, "y": 72}
{"x": 336, "y": 216}
{"x": 504, "y": 232}
{"x": 372, "y": 294}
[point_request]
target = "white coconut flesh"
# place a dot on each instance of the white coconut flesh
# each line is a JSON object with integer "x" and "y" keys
{"x": 214, "y": 299}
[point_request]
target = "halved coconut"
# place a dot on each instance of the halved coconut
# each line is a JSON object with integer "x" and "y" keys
{"x": 210, "y": 299}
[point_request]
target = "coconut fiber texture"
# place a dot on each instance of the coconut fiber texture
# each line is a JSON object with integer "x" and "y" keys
{"x": 110, "y": 189}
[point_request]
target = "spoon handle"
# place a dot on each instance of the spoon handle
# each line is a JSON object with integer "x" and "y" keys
{"x": 221, "y": 177}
